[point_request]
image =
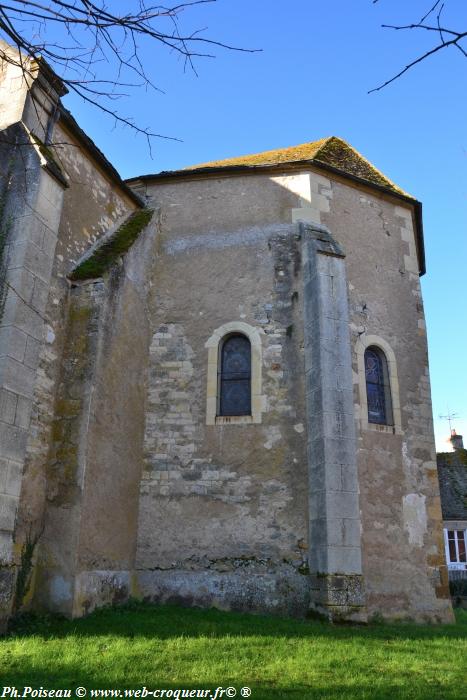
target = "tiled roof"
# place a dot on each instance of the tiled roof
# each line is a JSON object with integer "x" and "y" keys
{"x": 452, "y": 474}
{"x": 332, "y": 152}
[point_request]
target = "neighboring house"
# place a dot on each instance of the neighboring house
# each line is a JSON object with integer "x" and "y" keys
{"x": 214, "y": 385}
{"x": 452, "y": 474}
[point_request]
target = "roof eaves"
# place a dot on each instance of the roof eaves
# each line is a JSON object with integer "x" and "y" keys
{"x": 187, "y": 173}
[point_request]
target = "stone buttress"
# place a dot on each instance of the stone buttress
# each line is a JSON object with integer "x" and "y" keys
{"x": 336, "y": 580}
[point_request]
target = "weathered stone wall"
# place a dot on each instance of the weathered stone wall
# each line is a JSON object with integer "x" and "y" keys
{"x": 223, "y": 507}
{"x": 94, "y": 465}
{"x": 113, "y": 378}
{"x": 91, "y": 205}
{"x": 31, "y": 211}
{"x": 55, "y": 236}
{"x": 58, "y": 197}
{"x": 204, "y": 497}
{"x": 402, "y": 536}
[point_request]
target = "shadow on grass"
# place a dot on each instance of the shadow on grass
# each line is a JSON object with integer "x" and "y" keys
{"x": 363, "y": 690}
{"x": 407, "y": 686}
{"x": 172, "y": 647}
{"x": 142, "y": 620}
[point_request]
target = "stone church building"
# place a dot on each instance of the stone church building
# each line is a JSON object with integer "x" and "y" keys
{"x": 214, "y": 384}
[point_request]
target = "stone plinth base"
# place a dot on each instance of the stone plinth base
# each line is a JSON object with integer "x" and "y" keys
{"x": 79, "y": 595}
{"x": 283, "y": 593}
{"x": 338, "y": 597}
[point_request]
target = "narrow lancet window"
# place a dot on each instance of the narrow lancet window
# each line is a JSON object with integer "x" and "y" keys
{"x": 378, "y": 389}
{"x": 235, "y": 377}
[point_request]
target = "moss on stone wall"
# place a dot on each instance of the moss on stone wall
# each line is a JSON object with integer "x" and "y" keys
{"x": 105, "y": 254}
{"x": 62, "y": 464}
{"x": 24, "y": 573}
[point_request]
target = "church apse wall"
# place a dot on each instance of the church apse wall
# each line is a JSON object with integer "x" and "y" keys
{"x": 223, "y": 509}
{"x": 229, "y": 502}
{"x": 221, "y": 398}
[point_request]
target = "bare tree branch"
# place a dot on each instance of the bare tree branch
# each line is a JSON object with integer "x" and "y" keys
{"x": 95, "y": 50}
{"x": 425, "y": 16}
{"x": 446, "y": 38}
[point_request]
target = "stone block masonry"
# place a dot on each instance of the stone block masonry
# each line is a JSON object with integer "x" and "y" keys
{"x": 228, "y": 499}
{"x": 86, "y": 552}
{"x": 335, "y": 561}
{"x": 31, "y": 211}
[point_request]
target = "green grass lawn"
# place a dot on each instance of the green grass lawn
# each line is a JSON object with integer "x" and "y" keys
{"x": 171, "y": 647}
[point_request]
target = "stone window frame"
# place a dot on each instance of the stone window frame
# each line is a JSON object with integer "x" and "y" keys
{"x": 213, "y": 346}
{"x": 363, "y": 343}
{"x": 382, "y": 384}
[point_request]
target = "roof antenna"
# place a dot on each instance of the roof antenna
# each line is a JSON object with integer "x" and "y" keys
{"x": 449, "y": 417}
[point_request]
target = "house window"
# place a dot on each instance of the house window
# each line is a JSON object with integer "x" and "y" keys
{"x": 456, "y": 547}
{"x": 235, "y": 376}
{"x": 378, "y": 389}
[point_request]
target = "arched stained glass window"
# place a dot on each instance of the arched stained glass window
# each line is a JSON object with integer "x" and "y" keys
{"x": 235, "y": 376}
{"x": 378, "y": 390}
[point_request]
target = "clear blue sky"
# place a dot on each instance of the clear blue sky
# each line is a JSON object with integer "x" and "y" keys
{"x": 318, "y": 60}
